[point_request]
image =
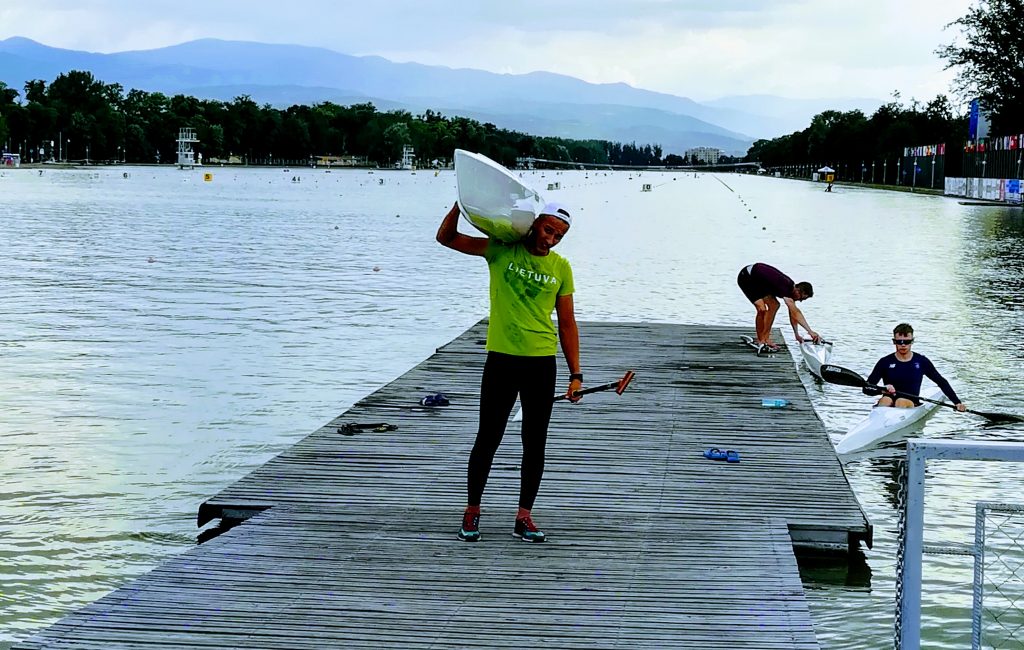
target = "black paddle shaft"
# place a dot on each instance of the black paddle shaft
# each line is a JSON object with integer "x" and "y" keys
{"x": 619, "y": 386}
{"x": 846, "y": 377}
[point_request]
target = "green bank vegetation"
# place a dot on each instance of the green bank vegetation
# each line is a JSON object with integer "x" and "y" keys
{"x": 78, "y": 117}
{"x": 834, "y": 136}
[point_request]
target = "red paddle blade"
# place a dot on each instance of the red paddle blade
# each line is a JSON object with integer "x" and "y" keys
{"x": 624, "y": 382}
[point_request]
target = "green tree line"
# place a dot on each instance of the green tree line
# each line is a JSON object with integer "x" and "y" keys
{"x": 851, "y": 137}
{"x": 77, "y": 117}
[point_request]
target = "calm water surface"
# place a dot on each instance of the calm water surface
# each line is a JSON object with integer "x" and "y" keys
{"x": 160, "y": 336}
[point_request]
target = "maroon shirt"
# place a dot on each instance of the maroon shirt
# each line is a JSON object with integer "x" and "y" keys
{"x": 772, "y": 280}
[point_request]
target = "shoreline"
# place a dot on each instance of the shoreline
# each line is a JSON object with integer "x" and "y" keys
{"x": 876, "y": 186}
{"x": 105, "y": 165}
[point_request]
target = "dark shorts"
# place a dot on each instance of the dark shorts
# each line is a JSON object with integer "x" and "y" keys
{"x": 751, "y": 288}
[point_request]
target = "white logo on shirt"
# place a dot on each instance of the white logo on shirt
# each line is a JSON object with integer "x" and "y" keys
{"x": 532, "y": 275}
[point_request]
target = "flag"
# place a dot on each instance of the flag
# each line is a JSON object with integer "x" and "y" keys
{"x": 977, "y": 126}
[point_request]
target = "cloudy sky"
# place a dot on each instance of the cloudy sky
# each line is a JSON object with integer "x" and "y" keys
{"x": 699, "y": 49}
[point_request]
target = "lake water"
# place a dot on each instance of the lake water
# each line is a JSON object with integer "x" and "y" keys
{"x": 161, "y": 336}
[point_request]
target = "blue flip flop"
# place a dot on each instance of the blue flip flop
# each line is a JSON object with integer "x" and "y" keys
{"x": 732, "y": 456}
{"x": 715, "y": 454}
{"x": 438, "y": 399}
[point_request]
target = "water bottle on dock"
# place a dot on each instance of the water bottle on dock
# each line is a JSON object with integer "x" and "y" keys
{"x": 774, "y": 402}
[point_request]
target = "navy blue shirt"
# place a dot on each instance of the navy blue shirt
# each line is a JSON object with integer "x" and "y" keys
{"x": 905, "y": 376}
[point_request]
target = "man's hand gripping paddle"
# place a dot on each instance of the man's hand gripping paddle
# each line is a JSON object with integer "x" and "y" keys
{"x": 619, "y": 386}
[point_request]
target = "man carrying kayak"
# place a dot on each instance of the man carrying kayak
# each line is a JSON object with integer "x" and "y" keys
{"x": 763, "y": 285}
{"x": 528, "y": 281}
{"x": 903, "y": 371}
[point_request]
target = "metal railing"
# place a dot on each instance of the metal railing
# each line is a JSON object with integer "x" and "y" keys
{"x": 912, "y": 547}
{"x": 1003, "y": 567}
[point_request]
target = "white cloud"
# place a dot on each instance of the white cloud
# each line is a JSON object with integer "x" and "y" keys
{"x": 797, "y": 48}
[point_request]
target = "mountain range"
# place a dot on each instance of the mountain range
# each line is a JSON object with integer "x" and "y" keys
{"x": 540, "y": 103}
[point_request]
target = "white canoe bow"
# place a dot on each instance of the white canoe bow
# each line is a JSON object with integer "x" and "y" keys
{"x": 815, "y": 356}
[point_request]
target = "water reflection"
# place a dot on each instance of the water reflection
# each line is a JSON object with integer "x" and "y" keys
{"x": 852, "y": 573}
{"x": 131, "y": 390}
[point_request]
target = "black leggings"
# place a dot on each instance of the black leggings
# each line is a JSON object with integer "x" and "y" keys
{"x": 505, "y": 376}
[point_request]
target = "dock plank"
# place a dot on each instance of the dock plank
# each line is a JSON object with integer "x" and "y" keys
{"x": 349, "y": 540}
{"x": 294, "y": 578}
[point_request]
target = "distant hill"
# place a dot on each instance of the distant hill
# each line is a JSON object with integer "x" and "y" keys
{"x": 541, "y": 103}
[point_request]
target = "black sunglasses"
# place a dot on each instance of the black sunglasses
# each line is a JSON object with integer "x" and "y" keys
{"x": 903, "y": 341}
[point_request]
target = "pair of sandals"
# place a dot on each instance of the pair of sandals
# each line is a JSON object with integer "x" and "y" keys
{"x": 351, "y": 428}
{"x": 728, "y": 455}
{"x": 767, "y": 348}
{"x": 438, "y": 399}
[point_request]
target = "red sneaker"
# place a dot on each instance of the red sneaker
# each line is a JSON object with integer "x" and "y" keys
{"x": 526, "y": 531}
{"x": 470, "y": 531}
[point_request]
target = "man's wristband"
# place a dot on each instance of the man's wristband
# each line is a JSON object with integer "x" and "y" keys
{"x": 576, "y": 375}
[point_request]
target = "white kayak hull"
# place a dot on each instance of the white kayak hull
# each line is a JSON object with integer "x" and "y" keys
{"x": 884, "y": 421}
{"x": 815, "y": 356}
{"x": 494, "y": 199}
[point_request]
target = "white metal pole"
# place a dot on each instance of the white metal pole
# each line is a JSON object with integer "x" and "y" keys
{"x": 910, "y": 622}
{"x": 979, "y": 574}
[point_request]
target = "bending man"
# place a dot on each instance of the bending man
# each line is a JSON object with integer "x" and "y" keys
{"x": 763, "y": 285}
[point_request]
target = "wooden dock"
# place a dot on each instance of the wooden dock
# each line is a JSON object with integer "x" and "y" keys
{"x": 349, "y": 540}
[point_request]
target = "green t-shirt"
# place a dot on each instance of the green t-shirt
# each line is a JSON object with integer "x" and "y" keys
{"x": 523, "y": 292}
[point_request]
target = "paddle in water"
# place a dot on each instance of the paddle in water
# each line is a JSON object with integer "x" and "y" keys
{"x": 619, "y": 387}
{"x": 846, "y": 377}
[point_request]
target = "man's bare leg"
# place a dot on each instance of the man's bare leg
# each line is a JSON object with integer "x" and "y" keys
{"x": 769, "y": 318}
{"x": 901, "y": 402}
{"x": 759, "y": 321}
